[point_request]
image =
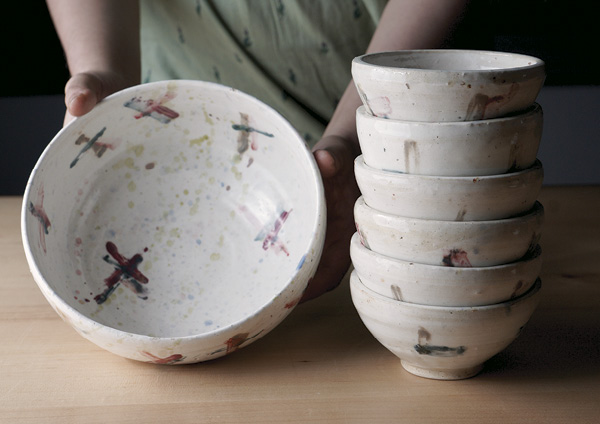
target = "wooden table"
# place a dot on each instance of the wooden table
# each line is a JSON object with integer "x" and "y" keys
{"x": 320, "y": 364}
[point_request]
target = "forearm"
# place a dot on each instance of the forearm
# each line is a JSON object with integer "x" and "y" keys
{"x": 404, "y": 24}
{"x": 99, "y": 35}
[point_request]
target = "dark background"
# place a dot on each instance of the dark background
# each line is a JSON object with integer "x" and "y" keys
{"x": 33, "y": 71}
{"x": 560, "y": 32}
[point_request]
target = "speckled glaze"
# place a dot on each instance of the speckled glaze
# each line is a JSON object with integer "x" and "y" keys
{"x": 443, "y": 285}
{"x": 473, "y": 198}
{"x": 446, "y": 343}
{"x": 484, "y": 147}
{"x": 177, "y": 222}
{"x": 447, "y": 85}
{"x": 451, "y": 243}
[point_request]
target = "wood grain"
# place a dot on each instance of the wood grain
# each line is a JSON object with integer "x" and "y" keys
{"x": 320, "y": 364}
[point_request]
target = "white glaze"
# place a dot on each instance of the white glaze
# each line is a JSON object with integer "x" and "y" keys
{"x": 461, "y": 243}
{"x": 484, "y": 147}
{"x": 201, "y": 206}
{"x": 442, "y": 342}
{"x": 473, "y": 198}
{"x": 443, "y": 285}
{"x": 446, "y": 85}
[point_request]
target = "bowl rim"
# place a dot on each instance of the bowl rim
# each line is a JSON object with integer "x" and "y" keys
{"x": 531, "y": 112}
{"x": 359, "y": 163}
{"x": 530, "y": 257}
{"x": 537, "y": 210}
{"x": 357, "y": 282}
{"x": 316, "y": 242}
{"x": 537, "y": 63}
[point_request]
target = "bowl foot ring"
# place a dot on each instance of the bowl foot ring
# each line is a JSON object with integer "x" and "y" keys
{"x": 442, "y": 374}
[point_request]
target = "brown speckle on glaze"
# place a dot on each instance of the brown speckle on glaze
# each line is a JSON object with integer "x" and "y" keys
{"x": 423, "y": 335}
{"x": 479, "y": 103}
{"x": 397, "y": 292}
{"x": 512, "y": 157}
{"x": 411, "y": 151}
{"x": 518, "y": 286}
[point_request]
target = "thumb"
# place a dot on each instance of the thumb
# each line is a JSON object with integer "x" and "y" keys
{"x": 82, "y": 92}
{"x": 326, "y": 161}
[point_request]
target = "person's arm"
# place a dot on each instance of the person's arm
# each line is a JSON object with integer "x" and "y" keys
{"x": 101, "y": 42}
{"x": 404, "y": 24}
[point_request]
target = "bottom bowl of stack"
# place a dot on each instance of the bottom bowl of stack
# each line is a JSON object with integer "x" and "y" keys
{"x": 438, "y": 342}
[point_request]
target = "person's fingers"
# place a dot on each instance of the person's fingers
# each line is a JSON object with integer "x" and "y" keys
{"x": 335, "y": 159}
{"x": 326, "y": 163}
{"x": 332, "y": 268}
{"x": 82, "y": 92}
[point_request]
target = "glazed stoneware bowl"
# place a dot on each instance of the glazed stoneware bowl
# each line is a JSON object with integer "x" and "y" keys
{"x": 450, "y": 243}
{"x": 447, "y": 85}
{"x": 484, "y": 147}
{"x": 441, "y": 285}
{"x": 473, "y": 198}
{"x": 440, "y": 342}
{"x": 177, "y": 222}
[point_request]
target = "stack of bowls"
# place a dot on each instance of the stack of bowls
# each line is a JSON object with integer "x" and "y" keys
{"x": 446, "y": 252}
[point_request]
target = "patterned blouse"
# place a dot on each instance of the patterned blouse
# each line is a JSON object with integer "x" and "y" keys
{"x": 294, "y": 55}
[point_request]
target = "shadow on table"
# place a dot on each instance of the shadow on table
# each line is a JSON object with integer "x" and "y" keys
{"x": 561, "y": 344}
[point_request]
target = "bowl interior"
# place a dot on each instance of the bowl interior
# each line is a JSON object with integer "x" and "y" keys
{"x": 173, "y": 209}
{"x": 451, "y": 60}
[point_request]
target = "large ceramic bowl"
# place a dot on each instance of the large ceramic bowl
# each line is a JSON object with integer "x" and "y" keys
{"x": 175, "y": 223}
{"x": 446, "y": 343}
{"x": 447, "y": 85}
{"x": 485, "y": 147}
{"x": 450, "y": 243}
{"x": 443, "y": 285}
{"x": 474, "y": 198}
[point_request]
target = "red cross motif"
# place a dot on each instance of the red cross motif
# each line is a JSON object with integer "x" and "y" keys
{"x": 93, "y": 144}
{"x": 37, "y": 210}
{"x": 456, "y": 257}
{"x": 153, "y": 108}
{"x": 169, "y": 360}
{"x": 125, "y": 272}
{"x": 268, "y": 233}
{"x": 271, "y": 237}
{"x": 234, "y": 343}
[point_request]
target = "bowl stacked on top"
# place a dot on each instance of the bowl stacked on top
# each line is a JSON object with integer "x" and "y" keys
{"x": 445, "y": 255}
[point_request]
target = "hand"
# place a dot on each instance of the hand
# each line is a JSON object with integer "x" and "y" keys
{"x": 84, "y": 90}
{"x": 335, "y": 158}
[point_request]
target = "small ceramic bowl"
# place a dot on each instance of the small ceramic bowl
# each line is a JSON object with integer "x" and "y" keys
{"x": 447, "y": 85}
{"x": 485, "y": 147}
{"x": 177, "y": 222}
{"x": 446, "y": 343}
{"x": 442, "y": 285}
{"x": 450, "y": 243}
{"x": 476, "y": 198}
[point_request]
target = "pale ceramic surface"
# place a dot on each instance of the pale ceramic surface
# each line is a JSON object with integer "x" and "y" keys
{"x": 443, "y": 285}
{"x": 438, "y": 342}
{"x": 447, "y": 85}
{"x": 475, "y": 198}
{"x": 175, "y": 223}
{"x": 485, "y": 147}
{"x": 452, "y": 243}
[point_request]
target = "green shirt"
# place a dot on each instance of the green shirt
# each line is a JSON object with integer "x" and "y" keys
{"x": 294, "y": 55}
